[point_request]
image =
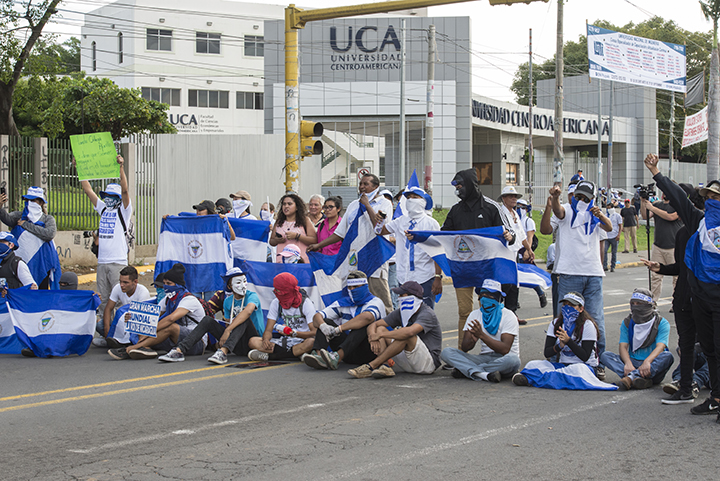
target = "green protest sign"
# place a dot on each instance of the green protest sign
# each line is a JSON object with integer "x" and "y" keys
{"x": 95, "y": 156}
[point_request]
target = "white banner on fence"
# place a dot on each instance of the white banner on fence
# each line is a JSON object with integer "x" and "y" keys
{"x": 635, "y": 60}
{"x": 696, "y": 128}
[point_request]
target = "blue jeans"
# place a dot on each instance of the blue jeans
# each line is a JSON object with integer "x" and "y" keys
{"x": 591, "y": 288}
{"x": 393, "y": 282}
{"x": 469, "y": 364}
{"x": 608, "y": 244}
{"x": 658, "y": 368}
{"x": 701, "y": 375}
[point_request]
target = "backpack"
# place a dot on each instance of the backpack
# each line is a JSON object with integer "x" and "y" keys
{"x": 304, "y": 296}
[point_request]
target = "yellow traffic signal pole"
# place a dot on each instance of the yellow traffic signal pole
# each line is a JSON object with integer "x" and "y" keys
{"x": 296, "y": 18}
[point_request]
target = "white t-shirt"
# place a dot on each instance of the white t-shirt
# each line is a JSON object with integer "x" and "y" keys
{"x": 295, "y": 318}
{"x": 24, "y": 275}
{"x": 196, "y": 312}
{"x": 616, "y": 220}
{"x": 516, "y": 225}
{"x": 113, "y": 248}
{"x": 576, "y": 253}
{"x": 120, "y": 298}
{"x": 422, "y": 269}
{"x": 569, "y": 357}
{"x": 508, "y": 325}
{"x": 528, "y": 224}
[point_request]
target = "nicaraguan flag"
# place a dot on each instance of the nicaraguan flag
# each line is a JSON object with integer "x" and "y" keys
{"x": 260, "y": 277}
{"x": 530, "y": 275}
{"x": 554, "y": 375}
{"x": 470, "y": 256}
{"x": 361, "y": 250}
{"x": 41, "y": 257}
{"x": 9, "y": 342}
{"x": 54, "y": 323}
{"x": 201, "y": 244}
{"x": 251, "y": 240}
{"x": 401, "y": 209}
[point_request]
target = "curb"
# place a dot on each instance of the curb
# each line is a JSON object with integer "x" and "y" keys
{"x": 88, "y": 278}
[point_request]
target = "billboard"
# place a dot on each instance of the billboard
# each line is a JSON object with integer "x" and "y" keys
{"x": 635, "y": 60}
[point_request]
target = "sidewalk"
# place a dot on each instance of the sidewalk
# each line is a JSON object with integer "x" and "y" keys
{"x": 90, "y": 278}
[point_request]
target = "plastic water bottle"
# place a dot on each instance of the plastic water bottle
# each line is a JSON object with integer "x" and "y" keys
{"x": 380, "y": 223}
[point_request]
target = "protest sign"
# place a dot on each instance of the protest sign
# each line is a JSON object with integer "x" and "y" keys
{"x": 696, "y": 128}
{"x": 95, "y": 156}
{"x": 143, "y": 318}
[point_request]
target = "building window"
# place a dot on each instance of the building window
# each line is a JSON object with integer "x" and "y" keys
{"x": 249, "y": 100}
{"x": 120, "y": 47}
{"x": 159, "y": 39}
{"x": 254, "y": 46}
{"x": 207, "y": 42}
{"x": 484, "y": 172}
{"x": 166, "y": 96}
{"x": 94, "y": 56}
{"x": 511, "y": 174}
{"x": 214, "y": 99}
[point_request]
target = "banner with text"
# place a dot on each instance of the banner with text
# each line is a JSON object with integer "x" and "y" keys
{"x": 635, "y": 60}
{"x": 95, "y": 156}
{"x": 696, "y": 128}
{"x": 143, "y": 318}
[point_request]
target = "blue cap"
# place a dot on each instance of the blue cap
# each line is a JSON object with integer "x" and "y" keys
{"x": 421, "y": 193}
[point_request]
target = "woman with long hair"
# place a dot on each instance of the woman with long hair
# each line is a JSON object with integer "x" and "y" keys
{"x": 572, "y": 337}
{"x": 326, "y": 227}
{"x": 293, "y": 226}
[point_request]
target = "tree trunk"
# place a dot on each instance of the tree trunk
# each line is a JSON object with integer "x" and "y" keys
{"x": 713, "y": 145}
{"x": 7, "y": 123}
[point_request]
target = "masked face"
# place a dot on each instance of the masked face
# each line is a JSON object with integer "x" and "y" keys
{"x": 265, "y": 215}
{"x": 160, "y": 293}
{"x": 34, "y": 210}
{"x": 460, "y": 190}
{"x": 4, "y": 250}
{"x": 111, "y": 202}
{"x": 172, "y": 291}
{"x": 293, "y": 259}
{"x": 239, "y": 285}
{"x": 240, "y": 206}
{"x": 415, "y": 207}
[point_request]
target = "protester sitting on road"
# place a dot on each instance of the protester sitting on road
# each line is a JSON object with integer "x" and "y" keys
{"x": 115, "y": 211}
{"x": 292, "y": 227}
{"x": 290, "y": 315}
{"x": 497, "y": 330}
{"x": 13, "y": 269}
{"x": 573, "y": 336}
{"x": 315, "y": 209}
{"x": 326, "y": 228}
{"x": 413, "y": 341}
{"x": 241, "y": 205}
{"x": 700, "y": 378}
{"x": 341, "y": 327}
{"x": 241, "y": 313}
{"x": 644, "y": 358}
{"x": 68, "y": 281}
{"x": 180, "y": 312}
{"x": 125, "y": 291}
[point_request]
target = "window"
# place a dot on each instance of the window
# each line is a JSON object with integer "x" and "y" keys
{"x": 511, "y": 174}
{"x": 249, "y": 100}
{"x": 214, "y": 99}
{"x": 159, "y": 39}
{"x": 484, "y": 172}
{"x": 120, "y": 47}
{"x": 254, "y": 46}
{"x": 207, "y": 42}
{"x": 94, "y": 56}
{"x": 166, "y": 96}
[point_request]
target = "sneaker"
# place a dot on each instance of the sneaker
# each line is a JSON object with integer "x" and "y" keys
{"x": 114, "y": 343}
{"x": 120, "y": 354}
{"x": 634, "y": 251}
{"x": 695, "y": 390}
{"x": 642, "y": 383}
{"x": 709, "y": 406}
{"x": 331, "y": 359}
{"x": 27, "y": 352}
{"x": 314, "y": 361}
{"x": 626, "y": 252}
{"x": 679, "y": 397}
{"x": 383, "y": 371}
{"x": 494, "y": 376}
{"x": 671, "y": 387}
{"x": 543, "y": 300}
{"x": 173, "y": 356}
{"x": 361, "y": 372}
{"x": 142, "y": 353}
{"x": 600, "y": 373}
{"x": 522, "y": 322}
{"x": 254, "y": 355}
{"x": 99, "y": 342}
{"x": 519, "y": 379}
{"x": 625, "y": 384}
{"x": 457, "y": 374}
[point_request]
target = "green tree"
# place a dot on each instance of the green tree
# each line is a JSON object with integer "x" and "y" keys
{"x": 58, "y": 107}
{"x": 711, "y": 10}
{"x": 21, "y": 25}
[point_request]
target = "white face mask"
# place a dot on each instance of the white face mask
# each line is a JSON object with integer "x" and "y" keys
{"x": 582, "y": 206}
{"x": 34, "y": 211}
{"x": 415, "y": 208}
{"x": 265, "y": 215}
{"x": 240, "y": 206}
{"x": 239, "y": 285}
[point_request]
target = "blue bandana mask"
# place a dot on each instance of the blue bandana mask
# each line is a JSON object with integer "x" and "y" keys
{"x": 4, "y": 250}
{"x": 570, "y": 315}
{"x": 111, "y": 202}
{"x": 170, "y": 291}
{"x": 360, "y": 295}
{"x": 491, "y": 314}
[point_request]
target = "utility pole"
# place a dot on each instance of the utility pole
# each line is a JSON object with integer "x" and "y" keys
{"x": 610, "y": 141}
{"x": 531, "y": 173}
{"x": 599, "y": 132}
{"x": 559, "y": 156}
{"x": 401, "y": 174}
{"x": 430, "y": 118}
{"x": 672, "y": 132}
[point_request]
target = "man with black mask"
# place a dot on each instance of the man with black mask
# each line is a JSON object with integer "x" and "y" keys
{"x": 474, "y": 211}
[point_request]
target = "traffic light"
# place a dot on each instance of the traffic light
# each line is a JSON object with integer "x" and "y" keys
{"x": 308, "y": 145}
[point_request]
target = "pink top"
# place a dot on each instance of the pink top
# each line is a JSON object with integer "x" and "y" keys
{"x": 291, "y": 227}
{"x": 323, "y": 233}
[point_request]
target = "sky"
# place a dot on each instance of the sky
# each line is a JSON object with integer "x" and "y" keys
{"x": 499, "y": 34}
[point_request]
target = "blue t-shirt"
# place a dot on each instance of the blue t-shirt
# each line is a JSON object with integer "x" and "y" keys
{"x": 663, "y": 336}
{"x": 232, "y": 307}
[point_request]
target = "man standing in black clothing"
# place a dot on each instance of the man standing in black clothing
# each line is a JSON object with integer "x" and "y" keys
{"x": 630, "y": 222}
{"x": 474, "y": 211}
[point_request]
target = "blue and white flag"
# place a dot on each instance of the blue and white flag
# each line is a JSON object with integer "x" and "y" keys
{"x": 361, "y": 250}
{"x": 554, "y": 375}
{"x": 251, "y": 240}
{"x": 41, "y": 257}
{"x": 54, "y": 323}
{"x": 260, "y": 277}
{"x": 9, "y": 342}
{"x": 201, "y": 244}
{"x": 530, "y": 275}
{"x": 470, "y": 256}
{"x": 400, "y": 209}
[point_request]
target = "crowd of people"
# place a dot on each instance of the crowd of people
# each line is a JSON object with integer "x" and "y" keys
{"x": 387, "y": 322}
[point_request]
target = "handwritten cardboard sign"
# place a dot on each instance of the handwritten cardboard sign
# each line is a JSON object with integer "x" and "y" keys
{"x": 95, "y": 156}
{"x": 143, "y": 318}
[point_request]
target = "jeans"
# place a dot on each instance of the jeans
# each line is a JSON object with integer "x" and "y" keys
{"x": 658, "y": 368}
{"x": 610, "y": 243}
{"x": 591, "y": 288}
{"x": 701, "y": 375}
{"x": 393, "y": 282}
{"x": 470, "y": 364}
{"x": 237, "y": 341}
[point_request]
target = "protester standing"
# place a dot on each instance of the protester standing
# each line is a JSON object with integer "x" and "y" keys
{"x": 630, "y": 223}
{"x": 292, "y": 227}
{"x": 315, "y": 209}
{"x": 327, "y": 226}
{"x": 667, "y": 223}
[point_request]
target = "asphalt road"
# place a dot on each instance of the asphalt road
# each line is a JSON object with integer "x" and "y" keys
{"x": 94, "y": 418}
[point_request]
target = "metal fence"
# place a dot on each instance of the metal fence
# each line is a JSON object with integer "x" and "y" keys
{"x": 20, "y": 157}
{"x": 145, "y": 205}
